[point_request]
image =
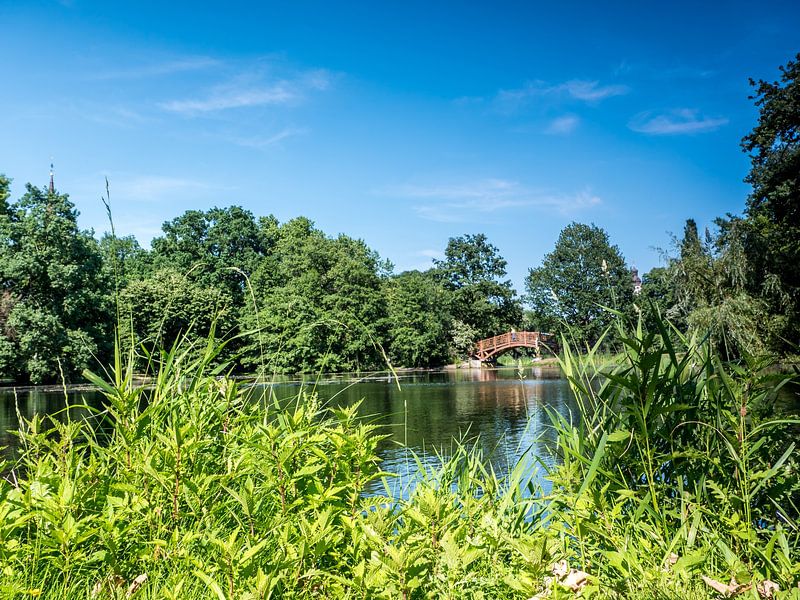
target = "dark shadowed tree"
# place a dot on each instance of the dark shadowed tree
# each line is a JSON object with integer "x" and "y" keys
{"x": 773, "y": 207}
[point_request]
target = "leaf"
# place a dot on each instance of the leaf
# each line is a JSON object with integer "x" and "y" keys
{"x": 619, "y": 435}
{"x": 136, "y": 584}
{"x": 212, "y": 584}
{"x": 727, "y": 590}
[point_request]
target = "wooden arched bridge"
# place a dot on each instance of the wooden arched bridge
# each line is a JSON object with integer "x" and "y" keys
{"x": 486, "y": 350}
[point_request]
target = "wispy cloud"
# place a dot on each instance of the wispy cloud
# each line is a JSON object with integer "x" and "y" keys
{"x": 243, "y": 93}
{"x": 468, "y": 201}
{"x": 563, "y": 125}
{"x": 679, "y": 121}
{"x": 592, "y": 91}
{"x": 432, "y": 254}
{"x": 259, "y": 142}
{"x": 159, "y": 69}
{"x": 663, "y": 72}
{"x": 231, "y": 97}
{"x": 117, "y": 116}
{"x": 511, "y": 100}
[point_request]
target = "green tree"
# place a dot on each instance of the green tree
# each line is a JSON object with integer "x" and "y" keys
{"x": 473, "y": 272}
{"x": 710, "y": 290}
{"x": 124, "y": 258}
{"x": 657, "y": 297}
{"x": 320, "y": 303}
{"x": 419, "y": 322}
{"x": 56, "y": 294}
{"x": 211, "y": 247}
{"x": 158, "y": 309}
{"x": 773, "y": 207}
{"x": 578, "y": 281}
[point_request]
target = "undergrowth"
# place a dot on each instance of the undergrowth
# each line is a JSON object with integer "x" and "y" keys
{"x": 194, "y": 488}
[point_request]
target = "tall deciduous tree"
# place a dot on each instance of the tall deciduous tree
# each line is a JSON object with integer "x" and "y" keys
{"x": 582, "y": 277}
{"x": 773, "y": 207}
{"x": 419, "y": 322}
{"x": 320, "y": 304}
{"x": 474, "y": 273}
{"x": 56, "y": 294}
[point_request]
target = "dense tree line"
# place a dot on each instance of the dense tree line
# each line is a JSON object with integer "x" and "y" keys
{"x": 286, "y": 296}
{"x": 289, "y": 297}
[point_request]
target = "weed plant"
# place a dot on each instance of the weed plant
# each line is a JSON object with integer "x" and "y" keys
{"x": 195, "y": 489}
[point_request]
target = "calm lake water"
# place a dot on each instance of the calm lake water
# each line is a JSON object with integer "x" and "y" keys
{"x": 503, "y": 408}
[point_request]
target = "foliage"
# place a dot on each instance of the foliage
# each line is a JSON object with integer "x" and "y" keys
{"x": 462, "y": 340}
{"x": 418, "y": 319}
{"x": 773, "y": 207}
{"x": 200, "y": 487}
{"x": 578, "y": 282}
{"x": 318, "y": 304}
{"x": 206, "y": 491}
{"x": 706, "y": 290}
{"x": 678, "y": 465}
{"x": 657, "y": 297}
{"x": 167, "y": 305}
{"x": 215, "y": 246}
{"x": 56, "y": 310}
{"x": 124, "y": 259}
{"x": 473, "y": 271}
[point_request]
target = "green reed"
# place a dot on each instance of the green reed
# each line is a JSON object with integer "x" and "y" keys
{"x": 191, "y": 488}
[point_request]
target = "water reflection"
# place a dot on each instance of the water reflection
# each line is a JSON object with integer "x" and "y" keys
{"x": 504, "y": 409}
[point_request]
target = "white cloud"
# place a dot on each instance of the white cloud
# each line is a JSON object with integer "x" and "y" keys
{"x": 675, "y": 122}
{"x": 511, "y": 100}
{"x": 563, "y": 125}
{"x": 243, "y": 92}
{"x": 155, "y": 188}
{"x": 223, "y": 99}
{"x": 592, "y": 91}
{"x": 475, "y": 200}
{"x": 432, "y": 254}
{"x": 117, "y": 116}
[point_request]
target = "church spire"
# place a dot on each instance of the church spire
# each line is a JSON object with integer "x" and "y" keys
{"x": 52, "y": 187}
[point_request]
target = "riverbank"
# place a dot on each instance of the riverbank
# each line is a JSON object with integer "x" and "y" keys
{"x": 549, "y": 362}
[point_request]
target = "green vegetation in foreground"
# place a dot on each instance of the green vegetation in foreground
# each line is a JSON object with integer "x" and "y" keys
{"x": 672, "y": 474}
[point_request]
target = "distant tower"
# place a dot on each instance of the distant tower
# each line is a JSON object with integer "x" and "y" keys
{"x": 637, "y": 281}
{"x": 52, "y": 187}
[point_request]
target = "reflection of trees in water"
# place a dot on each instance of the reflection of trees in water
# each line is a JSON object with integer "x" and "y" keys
{"x": 427, "y": 413}
{"x": 30, "y": 402}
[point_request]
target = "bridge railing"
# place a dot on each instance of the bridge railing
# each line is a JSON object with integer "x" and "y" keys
{"x": 492, "y": 345}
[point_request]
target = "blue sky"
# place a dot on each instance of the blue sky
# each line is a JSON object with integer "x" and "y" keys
{"x": 402, "y": 123}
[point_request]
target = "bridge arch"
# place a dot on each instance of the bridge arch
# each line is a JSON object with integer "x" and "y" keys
{"x": 489, "y": 348}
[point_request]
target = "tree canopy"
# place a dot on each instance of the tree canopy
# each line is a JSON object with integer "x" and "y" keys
{"x": 55, "y": 311}
{"x": 772, "y": 218}
{"x": 474, "y": 272}
{"x": 578, "y": 282}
